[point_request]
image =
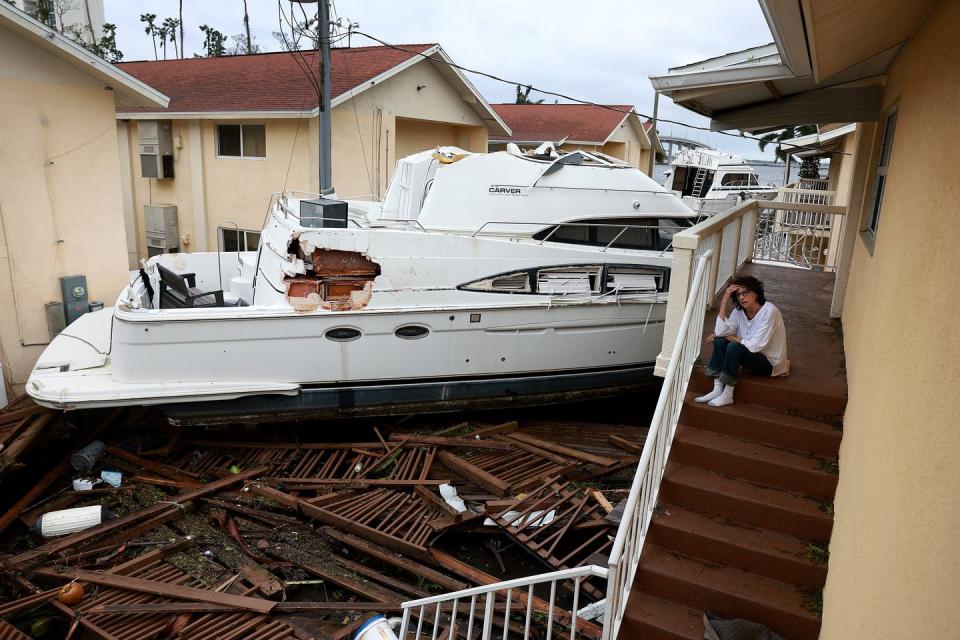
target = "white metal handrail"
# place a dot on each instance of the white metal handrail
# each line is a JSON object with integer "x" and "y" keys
{"x": 445, "y": 609}
{"x": 628, "y": 545}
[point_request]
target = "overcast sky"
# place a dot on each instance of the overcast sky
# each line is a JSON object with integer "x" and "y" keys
{"x": 600, "y": 50}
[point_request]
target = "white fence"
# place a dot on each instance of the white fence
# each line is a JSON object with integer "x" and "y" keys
{"x": 510, "y": 606}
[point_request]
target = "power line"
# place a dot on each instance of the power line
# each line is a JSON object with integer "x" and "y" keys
{"x": 555, "y": 94}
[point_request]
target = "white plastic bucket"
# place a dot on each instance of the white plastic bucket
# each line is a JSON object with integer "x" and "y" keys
{"x": 376, "y": 628}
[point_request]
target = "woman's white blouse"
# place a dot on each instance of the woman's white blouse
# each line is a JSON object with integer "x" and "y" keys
{"x": 764, "y": 334}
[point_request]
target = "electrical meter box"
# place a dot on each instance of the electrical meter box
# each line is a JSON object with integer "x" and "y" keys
{"x": 156, "y": 148}
{"x": 323, "y": 212}
{"x": 73, "y": 290}
{"x": 162, "y": 228}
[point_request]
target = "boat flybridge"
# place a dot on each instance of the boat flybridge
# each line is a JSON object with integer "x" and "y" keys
{"x": 711, "y": 181}
{"x": 481, "y": 279}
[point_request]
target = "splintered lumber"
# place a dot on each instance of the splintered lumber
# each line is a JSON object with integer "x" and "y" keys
{"x": 576, "y": 454}
{"x": 32, "y": 494}
{"x": 392, "y": 558}
{"x": 597, "y": 495}
{"x": 28, "y": 602}
{"x": 474, "y": 473}
{"x": 16, "y": 448}
{"x": 146, "y": 608}
{"x": 8, "y": 417}
{"x": 166, "y": 471}
{"x": 340, "y": 576}
{"x": 440, "y": 441}
{"x": 624, "y": 444}
{"x": 122, "y": 524}
{"x": 392, "y": 518}
{"x": 479, "y": 578}
{"x": 157, "y": 588}
{"x": 506, "y": 427}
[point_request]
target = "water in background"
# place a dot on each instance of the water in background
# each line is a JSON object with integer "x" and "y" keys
{"x": 766, "y": 174}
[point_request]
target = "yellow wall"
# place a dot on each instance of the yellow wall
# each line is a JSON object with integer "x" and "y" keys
{"x": 894, "y": 564}
{"x": 60, "y": 202}
{"x": 387, "y": 121}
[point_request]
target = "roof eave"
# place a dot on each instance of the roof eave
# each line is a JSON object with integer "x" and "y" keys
{"x": 785, "y": 19}
{"x": 120, "y": 82}
{"x": 716, "y": 77}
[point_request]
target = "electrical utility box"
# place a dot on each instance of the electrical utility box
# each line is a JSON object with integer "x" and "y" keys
{"x": 162, "y": 228}
{"x": 156, "y": 148}
{"x": 323, "y": 212}
{"x": 73, "y": 290}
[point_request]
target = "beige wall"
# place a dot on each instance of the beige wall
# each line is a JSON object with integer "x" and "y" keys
{"x": 387, "y": 121}
{"x": 60, "y": 203}
{"x": 894, "y": 564}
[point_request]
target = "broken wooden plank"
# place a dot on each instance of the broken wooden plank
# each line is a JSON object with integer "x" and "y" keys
{"x": 9, "y": 417}
{"x": 11, "y": 454}
{"x": 506, "y": 427}
{"x": 33, "y": 493}
{"x": 28, "y": 602}
{"x": 624, "y": 444}
{"x": 440, "y": 441}
{"x": 474, "y": 473}
{"x": 124, "y": 522}
{"x": 365, "y": 482}
{"x": 164, "y": 470}
{"x": 597, "y": 495}
{"x": 148, "y": 608}
{"x": 346, "y": 523}
{"x": 392, "y": 558}
{"x": 157, "y": 588}
{"x": 576, "y": 454}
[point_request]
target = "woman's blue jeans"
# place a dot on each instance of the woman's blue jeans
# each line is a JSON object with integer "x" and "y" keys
{"x": 729, "y": 356}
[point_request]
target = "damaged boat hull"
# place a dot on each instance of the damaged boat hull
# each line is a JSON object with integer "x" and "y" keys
{"x": 427, "y": 396}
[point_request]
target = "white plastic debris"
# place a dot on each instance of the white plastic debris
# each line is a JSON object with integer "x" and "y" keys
{"x": 449, "y": 493}
{"x": 85, "y": 484}
{"x": 532, "y": 520}
{"x": 112, "y": 478}
{"x": 60, "y": 523}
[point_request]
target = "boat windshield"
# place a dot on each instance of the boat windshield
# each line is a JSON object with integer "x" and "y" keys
{"x": 654, "y": 234}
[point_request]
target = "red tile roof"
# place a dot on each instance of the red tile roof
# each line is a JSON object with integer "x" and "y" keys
{"x": 552, "y": 122}
{"x": 262, "y": 82}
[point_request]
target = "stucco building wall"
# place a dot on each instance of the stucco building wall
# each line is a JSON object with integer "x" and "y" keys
{"x": 60, "y": 203}
{"x": 894, "y": 566}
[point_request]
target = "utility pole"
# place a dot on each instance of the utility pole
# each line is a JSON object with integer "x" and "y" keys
{"x": 323, "y": 58}
{"x": 653, "y": 133}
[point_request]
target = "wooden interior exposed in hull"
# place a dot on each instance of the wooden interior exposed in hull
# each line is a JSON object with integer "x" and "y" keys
{"x": 336, "y": 280}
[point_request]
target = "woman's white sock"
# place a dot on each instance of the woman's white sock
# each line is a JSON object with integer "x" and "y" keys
{"x": 717, "y": 390}
{"x": 724, "y": 398}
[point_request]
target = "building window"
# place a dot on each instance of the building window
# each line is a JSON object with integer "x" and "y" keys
{"x": 880, "y": 179}
{"x": 242, "y": 140}
{"x": 238, "y": 240}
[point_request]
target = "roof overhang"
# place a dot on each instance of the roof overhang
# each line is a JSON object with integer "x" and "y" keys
{"x": 127, "y": 90}
{"x": 818, "y": 144}
{"x": 827, "y": 64}
{"x": 214, "y": 115}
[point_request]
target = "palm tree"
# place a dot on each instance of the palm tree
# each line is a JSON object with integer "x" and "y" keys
{"x": 523, "y": 95}
{"x": 151, "y": 29}
{"x": 171, "y": 25}
{"x": 793, "y": 131}
{"x": 163, "y": 33}
{"x": 246, "y": 26}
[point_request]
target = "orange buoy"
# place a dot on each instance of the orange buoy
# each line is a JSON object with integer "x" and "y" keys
{"x": 71, "y": 593}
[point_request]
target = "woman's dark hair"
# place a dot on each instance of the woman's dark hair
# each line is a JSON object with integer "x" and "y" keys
{"x": 751, "y": 284}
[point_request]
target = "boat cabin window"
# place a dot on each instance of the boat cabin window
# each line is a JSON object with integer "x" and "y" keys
{"x": 634, "y": 279}
{"x": 566, "y": 280}
{"x": 593, "y": 279}
{"x": 736, "y": 180}
{"x": 667, "y": 227}
{"x": 624, "y": 233}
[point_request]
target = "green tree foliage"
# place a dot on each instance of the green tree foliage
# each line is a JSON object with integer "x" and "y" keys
{"x": 787, "y": 133}
{"x": 523, "y": 95}
{"x": 106, "y": 46}
{"x": 171, "y": 25}
{"x": 213, "y": 42}
{"x": 151, "y": 29}
{"x": 810, "y": 168}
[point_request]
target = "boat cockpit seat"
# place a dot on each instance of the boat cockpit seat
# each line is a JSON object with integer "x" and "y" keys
{"x": 179, "y": 291}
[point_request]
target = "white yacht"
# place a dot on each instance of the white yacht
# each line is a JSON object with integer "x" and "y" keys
{"x": 710, "y": 181}
{"x": 481, "y": 279}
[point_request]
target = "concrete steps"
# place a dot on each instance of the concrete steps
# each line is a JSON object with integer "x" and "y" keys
{"x": 744, "y": 517}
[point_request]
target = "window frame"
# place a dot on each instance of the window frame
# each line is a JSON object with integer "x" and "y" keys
{"x": 222, "y": 238}
{"x": 873, "y": 210}
{"x": 603, "y": 278}
{"x": 242, "y": 156}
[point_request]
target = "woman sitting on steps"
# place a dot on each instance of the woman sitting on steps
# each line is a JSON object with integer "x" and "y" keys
{"x": 749, "y": 333}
